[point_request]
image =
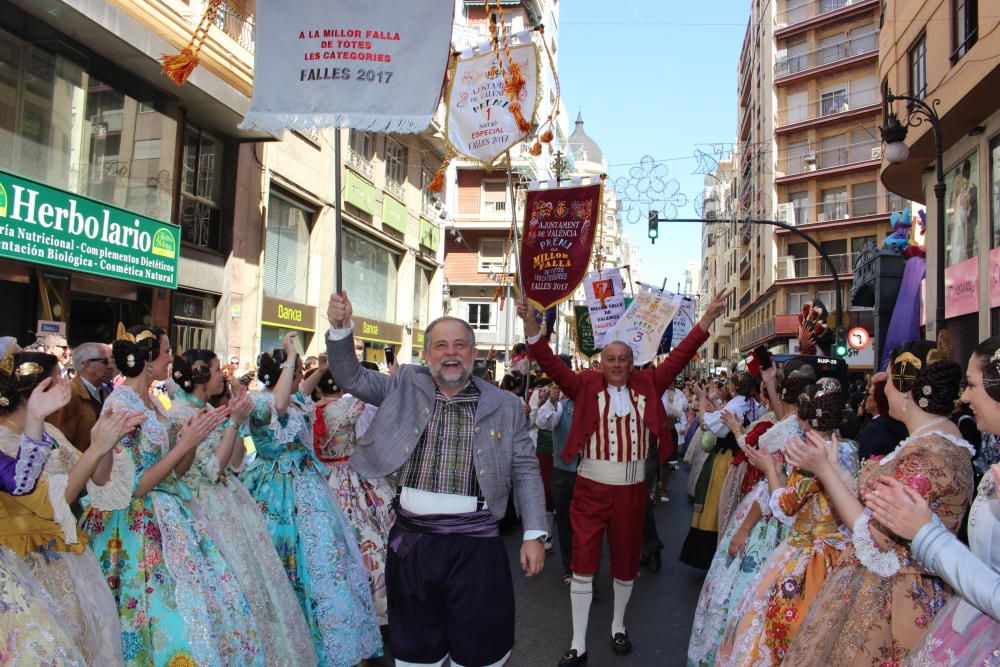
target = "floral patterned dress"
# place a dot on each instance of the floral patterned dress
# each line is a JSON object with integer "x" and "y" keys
{"x": 768, "y": 616}
{"x": 877, "y": 601}
{"x": 728, "y": 577}
{"x": 314, "y": 541}
{"x": 367, "y": 503}
{"x": 45, "y": 535}
{"x": 961, "y": 634}
{"x": 242, "y": 535}
{"x": 179, "y": 601}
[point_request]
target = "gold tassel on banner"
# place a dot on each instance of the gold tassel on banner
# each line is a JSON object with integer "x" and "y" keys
{"x": 522, "y": 123}
{"x": 546, "y": 137}
{"x": 179, "y": 67}
{"x": 536, "y": 149}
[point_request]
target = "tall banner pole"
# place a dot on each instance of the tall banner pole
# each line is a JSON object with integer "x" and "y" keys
{"x": 338, "y": 222}
{"x": 517, "y": 249}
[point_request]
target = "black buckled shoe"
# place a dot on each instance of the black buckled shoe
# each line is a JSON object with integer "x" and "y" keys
{"x": 571, "y": 659}
{"x": 621, "y": 644}
{"x": 655, "y": 562}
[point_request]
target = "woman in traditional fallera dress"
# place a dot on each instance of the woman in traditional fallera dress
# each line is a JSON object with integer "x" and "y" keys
{"x": 877, "y": 601}
{"x": 30, "y": 630}
{"x": 367, "y": 503}
{"x": 314, "y": 541}
{"x": 753, "y": 532}
{"x": 233, "y": 515}
{"x": 703, "y": 537}
{"x": 179, "y": 601}
{"x": 967, "y": 631}
{"x": 41, "y": 528}
{"x": 767, "y": 618}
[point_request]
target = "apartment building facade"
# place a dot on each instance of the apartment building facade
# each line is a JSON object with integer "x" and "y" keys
{"x": 88, "y": 114}
{"x": 480, "y": 263}
{"x": 807, "y": 155}
{"x": 945, "y": 53}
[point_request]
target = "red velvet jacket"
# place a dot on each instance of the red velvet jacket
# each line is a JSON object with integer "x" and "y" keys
{"x": 584, "y": 388}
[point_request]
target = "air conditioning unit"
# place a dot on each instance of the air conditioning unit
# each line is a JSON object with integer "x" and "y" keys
{"x": 876, "y": 152}
{"x": 786, "y": 213}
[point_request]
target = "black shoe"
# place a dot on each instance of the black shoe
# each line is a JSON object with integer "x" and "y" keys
{"x": 571, "y": 659}
{"x": 621, "y": 644}
{"x": 655, "y": 562}
{"x": 644, "y": 559}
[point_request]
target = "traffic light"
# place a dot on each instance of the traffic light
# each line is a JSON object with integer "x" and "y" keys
{"x": 654, "y": 225}
{"x": 840, "y": 343}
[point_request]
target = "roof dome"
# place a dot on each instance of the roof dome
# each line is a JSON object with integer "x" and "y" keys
{"x": 582, "y": 146}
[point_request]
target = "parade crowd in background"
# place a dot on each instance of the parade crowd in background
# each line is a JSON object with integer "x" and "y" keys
{"x": 162, "y": 509}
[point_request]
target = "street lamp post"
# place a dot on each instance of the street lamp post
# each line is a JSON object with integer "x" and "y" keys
{"x": 897, "y": 152}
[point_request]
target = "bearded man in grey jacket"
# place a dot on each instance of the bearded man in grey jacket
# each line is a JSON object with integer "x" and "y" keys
{"x": 457, "y": 446}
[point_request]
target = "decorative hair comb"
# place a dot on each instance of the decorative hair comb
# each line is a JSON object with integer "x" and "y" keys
{"x": 7, "y": 363}
{"x": 23, "y": 370}
{"x": 943, "y": 350}
{"x": 904, "y": 371}
{"x": 126, "y": 336}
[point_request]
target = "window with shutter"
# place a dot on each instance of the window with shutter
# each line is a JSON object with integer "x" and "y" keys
{"x": 370, "y": 277}
{"x": 286, "y": 250}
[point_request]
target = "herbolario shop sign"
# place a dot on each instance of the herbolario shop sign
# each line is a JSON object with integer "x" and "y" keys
{"x": 47, "y": 226}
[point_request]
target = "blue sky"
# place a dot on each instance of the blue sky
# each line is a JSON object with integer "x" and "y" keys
{"x": 654, "y": 78}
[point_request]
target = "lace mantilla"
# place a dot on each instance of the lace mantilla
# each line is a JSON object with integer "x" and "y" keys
{"x": 776, "y": 437}
{"x": 882, "y": 563}
{"x": 958, "y": 442}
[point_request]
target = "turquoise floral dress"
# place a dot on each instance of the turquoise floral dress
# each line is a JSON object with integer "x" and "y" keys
{"x": 242, "y": 535}
{"x": 314, "y": 541}
{"x": 179, "y": 601}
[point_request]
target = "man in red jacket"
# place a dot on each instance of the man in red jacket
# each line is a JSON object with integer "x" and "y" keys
{"x": 617, "y": 410}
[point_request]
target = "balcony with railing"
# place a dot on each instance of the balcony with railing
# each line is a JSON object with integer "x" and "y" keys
{"x": 828, "y": 155}
{"x": 395, "y": 189}
{"x": 236, "y": 18}
{"x": 831, "y": 107}
{"x": 831, "y": 210}
{"x": 828, "y": 56}
{"x": 360, "y": 163}
{"x": 797, "y": 268}
{"x": 745, "y": 300}
{"x": 797, "y": 12}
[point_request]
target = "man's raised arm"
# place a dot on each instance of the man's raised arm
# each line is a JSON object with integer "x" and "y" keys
{"x": 366, "y": 385}
{"x": 562, "y": 375}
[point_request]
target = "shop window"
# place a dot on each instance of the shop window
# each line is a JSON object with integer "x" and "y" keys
{"x": 395, "y": 161}
{"x": 917, "y": 59}
{"x": 286, "y": 250}
{"x": 491, "y": 255}
{"x": 201, "y": 190}
{"x": 480, "y": 316}
{"x": 63, "y": 127}
{"x": 370, "y": 277}
{"x": 961, "y": 211}
{"x": 193, "y": 324}
{"x": 964, "y": 26}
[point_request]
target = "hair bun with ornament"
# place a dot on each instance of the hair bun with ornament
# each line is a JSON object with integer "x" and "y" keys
{"x": 133, "y": 348}
{"x": 20, "y": 373}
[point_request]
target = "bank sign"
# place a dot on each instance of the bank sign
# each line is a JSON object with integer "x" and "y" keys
{"x": 47, "y": 226}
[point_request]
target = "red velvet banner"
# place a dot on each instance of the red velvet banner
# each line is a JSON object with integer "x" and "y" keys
{"x": 557, "y": 239}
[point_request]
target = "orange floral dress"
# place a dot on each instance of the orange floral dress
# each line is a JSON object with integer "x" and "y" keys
{"x": 877, "y": 601}
{"x": 772, "y": 609}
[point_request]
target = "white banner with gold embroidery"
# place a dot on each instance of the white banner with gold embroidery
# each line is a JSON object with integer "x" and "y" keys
{"x": 643, "y": 324}
{"x": 374, "y": 66}
{"x": 480, "y": 123}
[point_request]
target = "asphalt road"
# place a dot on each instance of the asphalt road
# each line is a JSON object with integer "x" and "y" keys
{"x": 659, "y": 614}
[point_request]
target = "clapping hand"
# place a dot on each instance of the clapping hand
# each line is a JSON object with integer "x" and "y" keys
{"x": 897, "y": 507}
{"x": 240, "y": 405}
{"x": 809, "y": 454}
{"x": 734, "y": 423}
{"x": 51, "y": 395}
{"x": 112, "y": 427}
{"x": 761, "y": 459}
{"x": 200, "y": 425}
